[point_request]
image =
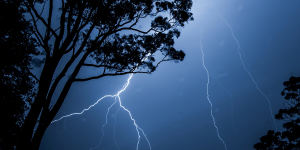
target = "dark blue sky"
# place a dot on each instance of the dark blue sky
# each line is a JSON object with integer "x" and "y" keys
{"x": 171, "y": 105}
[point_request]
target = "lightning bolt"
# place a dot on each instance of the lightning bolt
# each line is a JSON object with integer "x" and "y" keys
{"x": 208, "y": 96}
{"x": 245, "y": 68}
{"x": 139, "y": 130}
{"x": 104, "y": 125}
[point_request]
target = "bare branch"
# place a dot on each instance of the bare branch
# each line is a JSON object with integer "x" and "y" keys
{"x": 34, "y": 76}
{"x": 47, "y": 34}
{"x": 134, "y": 29}
{"x": 58, "y": 40}
{"x": 94, "y": 65}
{"x": 31, "y": 7}
{"x": 38, "y": 34}
{"x": 116, "y": 73}
{"x": 43, "y": 8}
{"x": 67, "y": 66}
{"x": 34, "y": 20}
{"x": 109, "y": 74}
{"x": 72, "y": 34}
{"x": 72, "y": 47}
{"x": 163, "y": 60}
{"x": 99, "y": 66}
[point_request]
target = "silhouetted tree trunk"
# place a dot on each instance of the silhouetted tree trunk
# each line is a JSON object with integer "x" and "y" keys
{"x": 36, "y": 107}
{"x": 110, "y": 51}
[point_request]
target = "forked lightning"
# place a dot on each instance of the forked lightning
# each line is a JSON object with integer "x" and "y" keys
{"x": 139, "y": 130}
{"x": 247, "y": 70}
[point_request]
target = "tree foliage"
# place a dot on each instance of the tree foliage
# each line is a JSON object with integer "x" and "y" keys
{"x": 289, "y": 137}
{"x": 116, "y": 37}
{"x": 16, "y": 84}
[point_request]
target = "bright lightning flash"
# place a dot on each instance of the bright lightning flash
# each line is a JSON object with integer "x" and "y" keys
{"x": 208, "y": 97}
{"x": 247, "y": 70}
{"x": 139, "y": 130}
{"x": 104, "y": 125}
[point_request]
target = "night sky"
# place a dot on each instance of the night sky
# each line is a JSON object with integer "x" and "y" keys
{"x": 171, "y": 106}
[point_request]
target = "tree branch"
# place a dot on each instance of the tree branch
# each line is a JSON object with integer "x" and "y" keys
{"x": 134, "y": 29}
{"x": 58, "y": 40}
{"x": 72, "y": 34}
{"x": 47, "y": 34}
{"x": 98, "y": 66}
{"x": 66, "y": 68}
{"x": 108, "y": 74}
{"x": 34, "y": 76}
{"x": 37, "y": 33}
{"x": 31, "y": 7}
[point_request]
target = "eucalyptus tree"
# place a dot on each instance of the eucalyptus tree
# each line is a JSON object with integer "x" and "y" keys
{"x": 116, "y": 37}
{"x": 289, "y": 137}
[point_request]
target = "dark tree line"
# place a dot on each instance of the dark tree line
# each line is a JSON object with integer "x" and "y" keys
{"x": 112, "y": 36}
{"x": 289, "y": 137}
{"x": 16, "y": 83}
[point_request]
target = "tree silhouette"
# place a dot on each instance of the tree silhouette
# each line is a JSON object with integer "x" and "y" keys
{"x": 289, "y": 137}
{"x": 116, "y": 37}
{"x": 16, "y": 82}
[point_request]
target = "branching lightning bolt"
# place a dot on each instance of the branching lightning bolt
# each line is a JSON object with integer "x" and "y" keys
{"x": 104, "y": 125}
{"x": 208, "y": 97}
{"x": 139, "y": 130}
{"x": 247, "y": 70}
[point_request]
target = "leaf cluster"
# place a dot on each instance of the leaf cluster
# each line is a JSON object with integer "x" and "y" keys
{"x": 16, "y": 83}
{"x": 289, "y": 137}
